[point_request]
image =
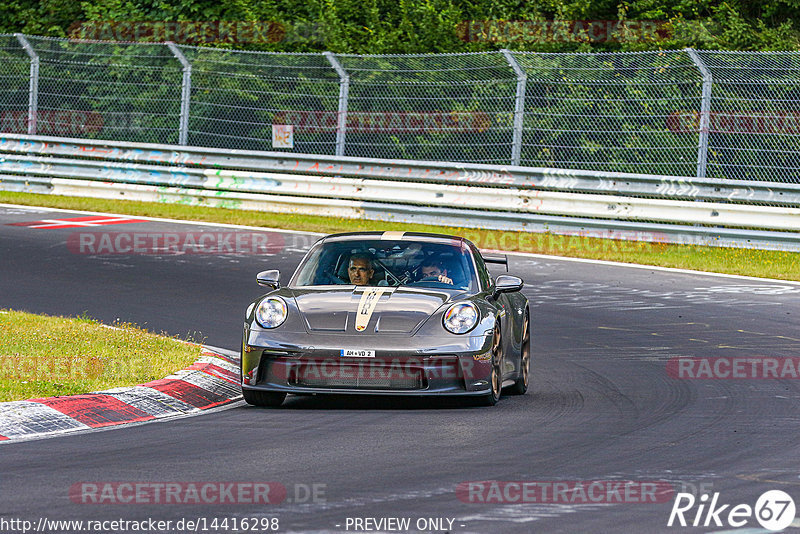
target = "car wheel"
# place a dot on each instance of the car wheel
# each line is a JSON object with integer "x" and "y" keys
{"x": 496, "y": 379}
{"x": 263, "y": 398}
{"x": 521, "y": 384}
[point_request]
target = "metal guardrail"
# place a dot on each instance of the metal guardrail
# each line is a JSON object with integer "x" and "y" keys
{"x": 716, "y": 189}
{"x": 622, "y": 206}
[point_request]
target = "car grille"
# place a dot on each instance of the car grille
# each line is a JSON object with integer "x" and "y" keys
{"x": 333, "y": 374}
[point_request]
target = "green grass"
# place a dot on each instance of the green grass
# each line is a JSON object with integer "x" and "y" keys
{"x": 759, "y": 263}
{"x": 43, "y": 356}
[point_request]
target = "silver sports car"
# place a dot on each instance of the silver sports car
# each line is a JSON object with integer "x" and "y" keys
{"x": 392, "y": 313}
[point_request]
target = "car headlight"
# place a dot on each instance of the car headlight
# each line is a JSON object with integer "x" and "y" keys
{"x": 460, "y": 317}
{"x": 271, "y": 312}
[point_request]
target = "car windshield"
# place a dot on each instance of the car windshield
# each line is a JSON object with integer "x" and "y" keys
{"x": 388, "y": 263}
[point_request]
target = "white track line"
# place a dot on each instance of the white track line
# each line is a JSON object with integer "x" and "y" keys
{"x": 160, "y": 219}
{"x": 648, "y": 267}
{"x": 525, "y": 254}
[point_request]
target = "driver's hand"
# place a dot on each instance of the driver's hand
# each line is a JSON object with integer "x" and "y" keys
{"x": 445, "y": 280}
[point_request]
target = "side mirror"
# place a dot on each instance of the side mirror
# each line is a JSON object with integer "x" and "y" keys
{"x": 505, "y": 283}
{"x": 269, "y": 278}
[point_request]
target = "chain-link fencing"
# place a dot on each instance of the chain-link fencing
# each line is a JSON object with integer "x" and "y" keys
{"x": 677, "y": 113}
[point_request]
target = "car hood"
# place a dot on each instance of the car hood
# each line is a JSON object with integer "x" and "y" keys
{"x": 368, "y": 309}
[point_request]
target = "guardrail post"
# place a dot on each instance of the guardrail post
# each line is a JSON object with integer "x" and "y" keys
{"x": 186, "y": 92}
{"x": 705, "y": 112}
{"x": 344, "y": 94}
{"x": 519, "y": 106}
{"x": 33, "y": 85}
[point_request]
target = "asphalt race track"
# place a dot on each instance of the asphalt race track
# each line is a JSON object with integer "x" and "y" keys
{"x": 604, "y": 406}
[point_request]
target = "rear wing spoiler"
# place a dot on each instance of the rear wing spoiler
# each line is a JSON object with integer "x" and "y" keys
{"x": 496, "y": 258}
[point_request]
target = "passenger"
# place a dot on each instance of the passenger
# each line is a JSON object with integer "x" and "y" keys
{"x": 434, "y": 269}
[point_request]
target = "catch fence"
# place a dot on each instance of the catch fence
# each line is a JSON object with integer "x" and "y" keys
{"x": 684, "y": 113}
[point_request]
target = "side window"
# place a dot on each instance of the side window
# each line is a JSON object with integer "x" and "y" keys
{"x": 483, "y": 274}
{"x": 308, "y": 275}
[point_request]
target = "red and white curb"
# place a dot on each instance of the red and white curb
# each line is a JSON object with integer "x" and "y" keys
{"x": 212, "y": 381}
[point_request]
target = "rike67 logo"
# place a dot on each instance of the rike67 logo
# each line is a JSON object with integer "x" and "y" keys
{"x": 774, "y": 510}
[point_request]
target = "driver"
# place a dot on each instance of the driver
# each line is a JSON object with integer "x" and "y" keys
{"x": 360, "y": 269}
{"x": 434, "y": 269}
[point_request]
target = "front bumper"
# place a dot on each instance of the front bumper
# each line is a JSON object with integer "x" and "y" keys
{"x": 461, "y": 365}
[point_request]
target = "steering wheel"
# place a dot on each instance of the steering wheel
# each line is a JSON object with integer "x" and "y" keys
{"x": 432, "y": 281}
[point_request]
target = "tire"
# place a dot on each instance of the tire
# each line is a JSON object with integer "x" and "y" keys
{"x": 272, "y": 399}
{"x": 520, "y": 386}
{"x": 496, "y": 379}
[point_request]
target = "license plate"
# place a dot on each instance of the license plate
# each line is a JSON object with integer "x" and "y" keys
{"x": 353, "y": 353}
